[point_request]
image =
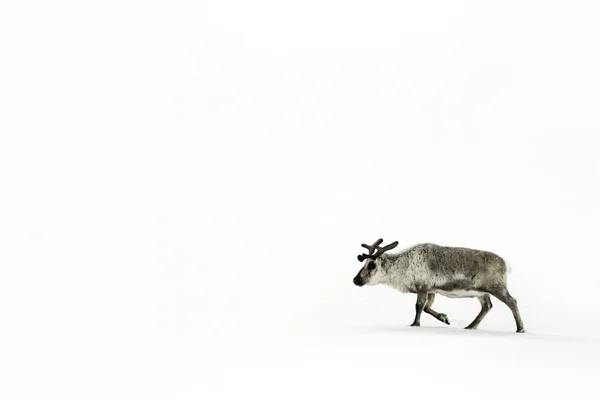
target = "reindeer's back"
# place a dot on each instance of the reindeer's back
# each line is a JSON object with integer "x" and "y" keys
{"x": 459, "y": 263}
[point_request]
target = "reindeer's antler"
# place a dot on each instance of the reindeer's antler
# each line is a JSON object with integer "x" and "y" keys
{"x": 372, "y": 247}
{"x": 375, "y": 246}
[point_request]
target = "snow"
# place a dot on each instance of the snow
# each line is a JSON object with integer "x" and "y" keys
{"x": 388, "y": 361}
{"x": 186, "y": 185}
{"x": 356, "y": 342}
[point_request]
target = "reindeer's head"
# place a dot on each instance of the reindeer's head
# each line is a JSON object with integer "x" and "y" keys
{"x": 371, "y": 273}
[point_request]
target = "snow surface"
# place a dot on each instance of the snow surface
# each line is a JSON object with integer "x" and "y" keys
{"x": 185, "y": 187}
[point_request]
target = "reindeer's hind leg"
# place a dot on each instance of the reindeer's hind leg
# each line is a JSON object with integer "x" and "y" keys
{"x": 502, "y": 294}
{"x": 486, "y": 306}
{"x": 437, "y": 315}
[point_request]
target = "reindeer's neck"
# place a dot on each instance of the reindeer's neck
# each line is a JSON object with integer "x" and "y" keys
{"x": 395, "y": 266}
{"x": 392, "y": 262}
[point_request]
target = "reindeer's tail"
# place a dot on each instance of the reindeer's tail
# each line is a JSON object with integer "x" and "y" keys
{"x": 508, "y": 267}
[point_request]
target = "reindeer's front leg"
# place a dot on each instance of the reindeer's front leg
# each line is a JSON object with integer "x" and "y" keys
{"x": 440, "y": 316}
{"x": 421, "y": 300}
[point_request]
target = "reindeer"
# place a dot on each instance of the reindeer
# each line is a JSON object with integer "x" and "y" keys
{"x": 428, "y": 269}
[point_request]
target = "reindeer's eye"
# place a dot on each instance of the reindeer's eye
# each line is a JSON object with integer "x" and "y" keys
{"x": 371, "y": 266}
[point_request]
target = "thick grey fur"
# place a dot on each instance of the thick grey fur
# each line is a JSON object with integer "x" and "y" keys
{"x": 428, "y": 269}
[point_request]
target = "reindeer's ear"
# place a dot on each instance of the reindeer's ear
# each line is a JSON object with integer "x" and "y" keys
{"x": 361, "y": 257}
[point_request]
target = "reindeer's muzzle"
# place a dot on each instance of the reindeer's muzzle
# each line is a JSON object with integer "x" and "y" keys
{"x": 357, "y": 281}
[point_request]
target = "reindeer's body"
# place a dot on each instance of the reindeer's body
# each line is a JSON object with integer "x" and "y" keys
{"x": 428, "y": 269}
{"x": 444, "y": 270}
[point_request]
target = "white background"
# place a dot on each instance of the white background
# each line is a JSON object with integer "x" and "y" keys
{"x": 185, "y": 187}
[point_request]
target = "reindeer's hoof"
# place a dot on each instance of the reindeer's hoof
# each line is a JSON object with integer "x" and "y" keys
{"x": 415, "y": 324}
{"x": 444, "y": 319}
{"x": 522, "y": 330}
{"x": 470, "y": 327}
